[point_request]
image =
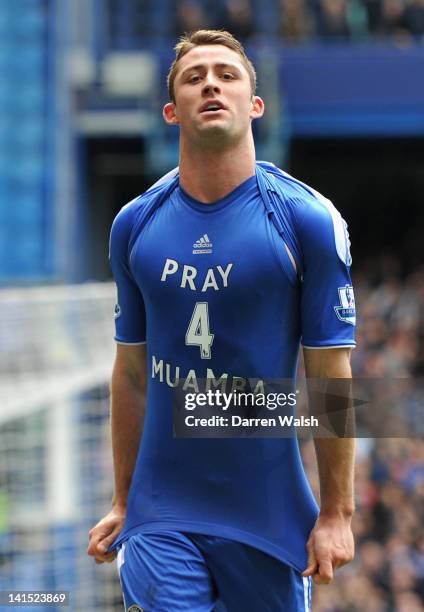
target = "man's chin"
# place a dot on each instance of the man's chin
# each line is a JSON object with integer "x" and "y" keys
{"x": 214, "y": 124}
{"x": 216, "y": 130}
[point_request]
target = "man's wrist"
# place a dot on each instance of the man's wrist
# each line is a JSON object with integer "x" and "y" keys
{"x": 119, "y": 502}
{"x": 337, "y": 512}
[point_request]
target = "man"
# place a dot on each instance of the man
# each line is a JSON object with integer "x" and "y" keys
{"x": 210, "y": 286}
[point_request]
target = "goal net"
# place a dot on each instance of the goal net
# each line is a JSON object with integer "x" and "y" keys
{"x": 55, "y": 462}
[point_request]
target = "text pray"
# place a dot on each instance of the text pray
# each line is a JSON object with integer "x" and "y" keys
{"x": 215, "y": 278}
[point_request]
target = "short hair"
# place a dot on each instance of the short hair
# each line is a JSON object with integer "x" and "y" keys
{"x": 187, "y": 42}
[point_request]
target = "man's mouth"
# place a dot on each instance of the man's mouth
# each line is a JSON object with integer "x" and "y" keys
{"x": 212, "y": 107}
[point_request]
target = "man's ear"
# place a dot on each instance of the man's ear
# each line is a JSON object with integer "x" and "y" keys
{"x": 258, "y": 107}
{"x": 169, "y": 114}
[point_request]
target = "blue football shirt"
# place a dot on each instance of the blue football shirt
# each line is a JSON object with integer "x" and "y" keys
{"x": 222, "y": 268}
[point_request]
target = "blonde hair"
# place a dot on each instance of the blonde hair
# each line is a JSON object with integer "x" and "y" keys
{"x": 208, "y": 37}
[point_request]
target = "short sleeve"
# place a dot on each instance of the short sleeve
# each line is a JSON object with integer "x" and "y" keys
{"x": 130, "y": 316}
{"x": 328, "y": 316}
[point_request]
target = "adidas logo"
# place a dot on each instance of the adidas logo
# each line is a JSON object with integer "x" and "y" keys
{"x": 203, "y": 245}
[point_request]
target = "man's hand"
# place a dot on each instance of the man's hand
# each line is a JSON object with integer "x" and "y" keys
{"x": 330, "y": 546}
{"x": 104, "y": 533}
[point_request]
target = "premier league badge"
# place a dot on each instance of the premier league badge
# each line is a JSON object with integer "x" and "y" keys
{"x": 346, "y": 311}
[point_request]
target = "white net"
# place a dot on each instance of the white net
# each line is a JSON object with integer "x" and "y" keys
{"x": 55, "y": 341}
{"x": 55, "y": 463}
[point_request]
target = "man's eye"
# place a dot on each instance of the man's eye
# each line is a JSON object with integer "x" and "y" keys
{"x": 194, "y": 78}
{"x": 228, "y": 76}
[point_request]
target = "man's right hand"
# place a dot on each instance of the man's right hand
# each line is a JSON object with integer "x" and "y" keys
{"x": 104, "y": 533}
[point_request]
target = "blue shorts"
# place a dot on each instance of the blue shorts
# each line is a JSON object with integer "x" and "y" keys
{"x": 172, "y": 571}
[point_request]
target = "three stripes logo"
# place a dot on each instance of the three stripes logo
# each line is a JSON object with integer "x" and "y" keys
{"x": 203, "y": 245}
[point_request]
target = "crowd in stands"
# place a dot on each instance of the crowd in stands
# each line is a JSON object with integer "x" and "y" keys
{"x": 391, "y": 320}
{"x": 302, "y": 20}
{"x": 387, "y": 574}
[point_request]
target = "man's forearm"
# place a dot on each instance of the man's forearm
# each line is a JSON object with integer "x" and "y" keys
{"x": 332, "y": 401}
{"x": 128, "y": 401}
{"x": 330, "y": 544}
{"x": 335, "y": 457}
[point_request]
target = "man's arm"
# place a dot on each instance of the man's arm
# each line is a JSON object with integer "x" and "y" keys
{"x": 331, "y": 544}
{"x": 128, "y": 400}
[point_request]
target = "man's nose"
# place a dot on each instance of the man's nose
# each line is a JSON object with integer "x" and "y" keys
{"x": 210, "y": 85}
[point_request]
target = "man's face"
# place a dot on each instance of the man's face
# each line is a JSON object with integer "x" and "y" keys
{"x": 213, "y": 97}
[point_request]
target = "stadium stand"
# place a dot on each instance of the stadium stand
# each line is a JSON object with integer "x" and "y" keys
{"x": 24, "y": 134}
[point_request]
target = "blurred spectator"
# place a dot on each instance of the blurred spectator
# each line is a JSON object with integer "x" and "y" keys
{"x": 408, "y": 602}
{"x": 390, "y": 22}
{"x": 237, "y": 17}
{"x": 189, "y": 17}
{"x": 413, "y": 19}
{"x": 332, "y": 20}
{"x": 357, "y": 17}
{"x": 373, "y": 9}
{"x": 375, "y": 564}
{"x": 296, "y": 23}
{"x": 390, "y": 332}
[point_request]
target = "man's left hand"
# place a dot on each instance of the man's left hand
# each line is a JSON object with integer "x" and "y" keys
{"x": 330, "y": 545}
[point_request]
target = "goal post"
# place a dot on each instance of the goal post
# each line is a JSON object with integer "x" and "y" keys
{"x": 56, "y": 480}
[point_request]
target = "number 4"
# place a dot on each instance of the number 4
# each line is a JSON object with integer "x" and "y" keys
{"x": 198, "y": 332}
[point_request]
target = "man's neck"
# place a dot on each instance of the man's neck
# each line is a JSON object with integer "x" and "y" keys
{"x": 209, "y": 175}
